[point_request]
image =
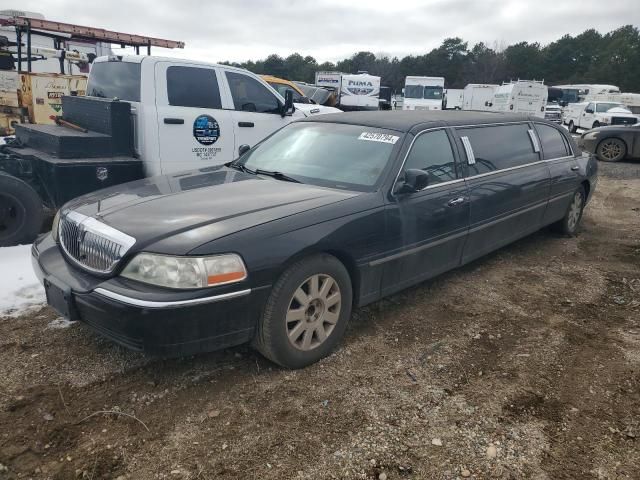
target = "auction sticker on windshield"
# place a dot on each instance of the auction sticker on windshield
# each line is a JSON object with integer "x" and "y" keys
{"x": 378, "y": 137}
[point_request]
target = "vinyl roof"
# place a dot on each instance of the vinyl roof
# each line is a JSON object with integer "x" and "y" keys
{"x": 406, "y": 121}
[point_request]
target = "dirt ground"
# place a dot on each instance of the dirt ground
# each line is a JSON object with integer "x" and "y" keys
{"x": 524, "y": 364}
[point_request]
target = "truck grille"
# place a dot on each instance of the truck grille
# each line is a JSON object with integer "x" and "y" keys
{"x": 623, "y": 121}
{"x": 92, "y": 244}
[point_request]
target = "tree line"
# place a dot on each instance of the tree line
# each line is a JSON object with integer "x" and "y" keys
{"x": 591, "y": 57}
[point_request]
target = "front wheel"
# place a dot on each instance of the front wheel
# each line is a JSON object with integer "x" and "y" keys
{"x": 571, "y": 221}
{"x": 611, "y": 150}
{"x": 596, "y": 124}
{"x": 572, "y": 127}
{"x": 307, "y": 312}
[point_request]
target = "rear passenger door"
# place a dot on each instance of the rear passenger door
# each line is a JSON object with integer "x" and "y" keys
{"x": 256, "y": 109}
{"x": 194, "y": 130}
{"x": 563, "y": 169}
{"x": 426, "y": 229}
{"x": 508, "y": 185}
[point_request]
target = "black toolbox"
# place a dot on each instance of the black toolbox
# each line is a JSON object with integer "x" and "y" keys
{"x": 64, "y": 142}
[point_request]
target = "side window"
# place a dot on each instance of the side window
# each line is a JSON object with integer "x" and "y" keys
{"x": 432, "y": 153}
{"x": 590, "y": 107}
{"x": 498, "y": 147}
{"x": 553, "y": 143}
{"x": 193, "y": 87}
{"x": 249, "y": 95}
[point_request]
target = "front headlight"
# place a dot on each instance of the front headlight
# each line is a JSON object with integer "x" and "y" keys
{"x": 186, "y": 272}
{"x": 590, "y": 136}
{"x": 606, "y": 119}
{"x": 54, "y": 226}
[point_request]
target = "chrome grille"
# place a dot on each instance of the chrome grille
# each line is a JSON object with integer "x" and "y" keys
{"x": 92, "y": 244}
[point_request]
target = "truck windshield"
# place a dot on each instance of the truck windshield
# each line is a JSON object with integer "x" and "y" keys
{"x": 349, "y": 157}
{"x": 433, "y": 93}
{"x": 413, "y": 91}
{"x": 115, "y": 80}
{"x": 605, "y": 107}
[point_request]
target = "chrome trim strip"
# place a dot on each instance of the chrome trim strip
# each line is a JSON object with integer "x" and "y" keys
{"x": 96, "y": 226}
{"x": 413, "y": 250}
{"x": 493, "y": 172}
{"x": 534, "y": 141}
{"x": 136, "y": 302}
{"x": 471, "y": 158}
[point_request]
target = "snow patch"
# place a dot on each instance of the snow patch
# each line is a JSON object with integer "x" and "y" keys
{"x": 20, "y": 290}
{"x": 60, "y": 323}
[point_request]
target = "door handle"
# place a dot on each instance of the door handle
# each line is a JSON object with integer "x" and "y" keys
{"x": 173, "y": 121}
{"x": 246, "y": 124}
{"x": 575, "y": 169}
{"x": 456, "y": 201}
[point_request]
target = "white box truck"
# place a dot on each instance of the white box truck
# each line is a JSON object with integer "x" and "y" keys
{"x": 521, "y": 96}
{"x": 423, "y": 93}
{"x": 477, "y": 96}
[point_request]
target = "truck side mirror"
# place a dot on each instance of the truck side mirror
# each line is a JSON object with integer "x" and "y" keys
{"x": 288, "y": 108}
{"x": 589, "y": 110}
{"x": 242, "y": 149}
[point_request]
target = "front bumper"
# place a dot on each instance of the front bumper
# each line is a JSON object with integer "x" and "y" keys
{"x": 156, "y": 321}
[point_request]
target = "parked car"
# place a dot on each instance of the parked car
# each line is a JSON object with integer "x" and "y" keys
{"x": 612, "y": 144}
{"x": 597, "y": 114}
{"x": 325, "y": 215}
{"x": 300, "y": 101}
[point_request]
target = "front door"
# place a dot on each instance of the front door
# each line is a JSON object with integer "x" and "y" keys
{"x": 194, "y": 130}
{"x": 588, "y": 116}
{"x": 256, "y": 113}
{"x": 426, "y": 229}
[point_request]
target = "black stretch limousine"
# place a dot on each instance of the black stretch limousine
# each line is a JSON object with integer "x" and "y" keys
{"x": 325, "y": 215}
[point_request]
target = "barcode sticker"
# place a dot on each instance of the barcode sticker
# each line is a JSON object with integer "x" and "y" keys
{"x": 378, "y": 137}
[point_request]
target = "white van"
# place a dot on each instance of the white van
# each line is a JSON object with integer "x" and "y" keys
{"x": 478, "y": 96}
{"x": 423, "y": 93}
{"x": 521, "y": 96}
{"x": 453, "y": 98}
{"x": 359, "y": 92}
{"x": 189, "y": 114}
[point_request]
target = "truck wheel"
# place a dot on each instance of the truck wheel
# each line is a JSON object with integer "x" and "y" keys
{"x": 611, "y": 150}
{"x": 307, "y": 312}
{"x": 596, "y": 124}
{"x": 20, "y": 212}
{"x": 571, "y": 221}
{"x": 572, "y": 127}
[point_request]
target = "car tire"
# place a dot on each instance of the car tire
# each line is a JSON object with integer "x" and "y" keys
{"x": 572, "y": 127}
{"x": 611, "y": 150}
{"x": 570, "y": 223}
{"x": 305, "y": 318}
{"x": 21, "y": 212}
{"x": 596, "y": 124}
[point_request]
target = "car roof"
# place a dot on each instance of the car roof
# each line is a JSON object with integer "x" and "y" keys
{"x": 411, "y": 121}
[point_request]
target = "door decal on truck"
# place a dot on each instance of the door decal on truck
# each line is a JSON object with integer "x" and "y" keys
{"x": 206, "y": 130}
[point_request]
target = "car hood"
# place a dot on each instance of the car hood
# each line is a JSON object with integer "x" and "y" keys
{"x": 221, "y": 199}
{"x": 620, "y": 111}
{"x": 613, "y": 128}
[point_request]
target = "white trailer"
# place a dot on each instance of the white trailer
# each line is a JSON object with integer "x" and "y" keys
{"x": 329, "y": 80}
{"x": 521, "y": 96}
{"x": 423, "y": 93}
{"x": 477, "y": 96}
{"x": 359, "y": 92}
{"x": 453, "y": 98}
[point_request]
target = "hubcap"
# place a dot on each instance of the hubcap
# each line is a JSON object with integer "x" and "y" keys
{"x": 575, "y": 211}
{"x": 313, "y": 312}
{"x": 610, "y": 150}
{"x": 10, "y": 215}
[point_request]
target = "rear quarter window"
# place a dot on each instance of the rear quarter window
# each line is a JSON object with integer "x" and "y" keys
{"x": 115, "y": 80}
{"x": 553, "y": 143}
{"x": 497, "y": 147}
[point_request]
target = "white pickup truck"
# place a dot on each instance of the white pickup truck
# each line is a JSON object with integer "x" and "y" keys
{"x": 590, "y": 115}
{"x": 190, "y": 114}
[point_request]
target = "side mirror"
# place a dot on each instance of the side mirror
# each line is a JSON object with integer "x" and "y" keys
{"x": 288, "y": 108}
{"x": 414, "y": 181}
{"x": 242, "y": 149}
{"x": 589, "y": 110}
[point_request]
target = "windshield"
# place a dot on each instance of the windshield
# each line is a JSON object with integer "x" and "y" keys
{"x": 115, "y": 80}
{"x": 413, "y": 91}
{"x": 282, "y": 89}
{"x": 605, "y": 107}
{"x": 570, "y": 95}
{"x": 333, "y": 155}
{"x": 433, "y": 93}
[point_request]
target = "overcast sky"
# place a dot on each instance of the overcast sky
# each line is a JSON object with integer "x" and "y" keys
{"x": 239, "y": 30}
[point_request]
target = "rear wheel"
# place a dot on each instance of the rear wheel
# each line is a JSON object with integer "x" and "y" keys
{"x": 21, "y": 211}
{"x": 306, "y": 313}
{"x": 570, "y": 223}
{"x": 572, "y": 127}
{"x": 611, "y": 150}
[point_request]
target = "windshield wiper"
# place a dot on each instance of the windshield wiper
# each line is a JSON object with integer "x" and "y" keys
{"x": 240, "y": 166}
{"x": 276, "y": 175}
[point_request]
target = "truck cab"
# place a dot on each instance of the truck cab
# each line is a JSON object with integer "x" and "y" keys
{"x": 188, "y": 114}
{"x": 423, "y": 93}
